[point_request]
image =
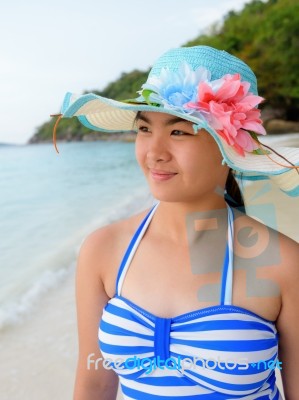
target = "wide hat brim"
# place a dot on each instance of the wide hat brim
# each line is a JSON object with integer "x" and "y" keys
{"x": 106, "y": 115}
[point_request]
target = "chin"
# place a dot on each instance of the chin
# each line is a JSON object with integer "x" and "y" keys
{"x": 166, "y": 195}
{"x": 171, "y": 196}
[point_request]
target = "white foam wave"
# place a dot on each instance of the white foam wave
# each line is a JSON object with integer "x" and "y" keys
{"x": 15, "y": 312}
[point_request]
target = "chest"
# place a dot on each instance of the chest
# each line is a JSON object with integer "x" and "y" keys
{"x": 173, "y": 280}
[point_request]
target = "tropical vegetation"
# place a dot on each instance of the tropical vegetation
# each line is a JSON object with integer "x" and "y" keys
{"x": 265, "y": 34}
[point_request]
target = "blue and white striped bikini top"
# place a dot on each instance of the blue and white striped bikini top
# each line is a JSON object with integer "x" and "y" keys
{"x": 219, "y": 352}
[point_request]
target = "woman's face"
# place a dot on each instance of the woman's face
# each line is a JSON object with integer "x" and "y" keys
{"x": 178, "y": 164}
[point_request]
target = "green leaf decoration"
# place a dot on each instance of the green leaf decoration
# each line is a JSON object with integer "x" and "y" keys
{"x": 261, "y": 152}
{"x": 254, "y": 136}
{"x": 146, "y": 94}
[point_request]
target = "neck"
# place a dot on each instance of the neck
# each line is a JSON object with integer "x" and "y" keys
{"x": 172, "y": 218}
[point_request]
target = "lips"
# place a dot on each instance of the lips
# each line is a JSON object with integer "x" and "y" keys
{"x": 160, "y": 175}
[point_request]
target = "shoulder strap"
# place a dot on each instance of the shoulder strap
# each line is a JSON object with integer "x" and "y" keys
{"x": 227, "y": 270}
{"x": 129, "y": 254}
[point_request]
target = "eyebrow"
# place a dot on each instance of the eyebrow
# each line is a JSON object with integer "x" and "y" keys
{"x": 170, "y": 121}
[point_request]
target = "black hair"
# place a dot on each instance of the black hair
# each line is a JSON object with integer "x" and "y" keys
{"x": 136, "y": 118}
{"x": 233, "y": 195}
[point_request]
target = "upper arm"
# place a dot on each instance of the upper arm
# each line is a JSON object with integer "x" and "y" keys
{"x": 91, "y": 298}
{"x": 288, "y": 320}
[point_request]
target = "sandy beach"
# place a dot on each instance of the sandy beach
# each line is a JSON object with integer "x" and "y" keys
{"x": 42, "y": 369}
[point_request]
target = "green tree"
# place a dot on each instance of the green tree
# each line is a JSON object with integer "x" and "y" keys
{"x": 266, "y": 37}
{"x": 263, "y": 34}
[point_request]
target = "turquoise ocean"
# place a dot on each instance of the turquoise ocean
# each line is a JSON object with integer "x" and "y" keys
{"x": 49, "y": 203}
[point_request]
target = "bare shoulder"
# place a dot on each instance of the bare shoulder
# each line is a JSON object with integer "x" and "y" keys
{"x": 261, "y": 240}
{"x": 289, "y": 250}
{"x": 102, "y": 250}
{"x": 96, "y": 273}
{"x": 288, "y": 322}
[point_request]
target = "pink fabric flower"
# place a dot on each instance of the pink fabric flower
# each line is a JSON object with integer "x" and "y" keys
{"x": 231, "y": 111}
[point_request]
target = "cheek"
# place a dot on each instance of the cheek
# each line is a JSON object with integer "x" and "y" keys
{"x": 209, "y": 152}
{"x": 204, "y": 165}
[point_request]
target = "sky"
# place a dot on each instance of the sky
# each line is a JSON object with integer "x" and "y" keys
{"x": 48, "y": 48}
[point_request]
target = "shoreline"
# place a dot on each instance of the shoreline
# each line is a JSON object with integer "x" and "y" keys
{"x": 91, "y": 137}
{"x": 121, "y": 137}
{"x": 39, "y": 351}
{"x": 129, "y": 137}
{"x": 38, "y": 355}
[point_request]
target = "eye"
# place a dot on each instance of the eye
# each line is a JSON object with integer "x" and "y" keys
{"x": 142, "y": 128}
{"x": 177, "y": 132}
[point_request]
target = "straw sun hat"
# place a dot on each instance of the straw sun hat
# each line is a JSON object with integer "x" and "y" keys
{"x": 214, "y": 90}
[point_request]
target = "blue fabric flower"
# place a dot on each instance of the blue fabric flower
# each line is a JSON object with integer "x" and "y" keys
{"x": 174, "y": 89}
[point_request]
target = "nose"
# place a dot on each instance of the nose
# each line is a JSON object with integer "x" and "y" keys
{"x": 158, "y": 149}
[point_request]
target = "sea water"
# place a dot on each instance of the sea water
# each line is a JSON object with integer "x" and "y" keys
{"x": 49, "y": 203}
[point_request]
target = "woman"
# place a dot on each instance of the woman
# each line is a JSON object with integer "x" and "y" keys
{"x": 181, "y": 305}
